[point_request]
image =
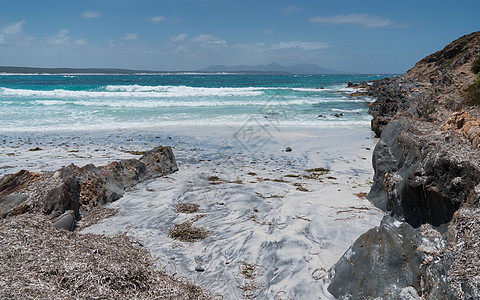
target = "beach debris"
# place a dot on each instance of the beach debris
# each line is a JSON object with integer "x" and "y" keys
{"x": 39, "y": 261}
{"x": 35, "y": 149}
{"x": 361, "y": 195}
{"x": 300, "y": 187}
{"x": 318, "y": 274}
{"x": 187, "y": 208}
{"x": 288, "y": 149}
{"x": 292, "y": 175}
{"x": 135, "y": 152}
{"x": 247, "y": 270}
{"x": 185, "y": 232}
{"x": 94, "y": 216}
{"x": 318, "y": 170}
{"x": 302, "y": 218}
{"x": 214, "y": 179}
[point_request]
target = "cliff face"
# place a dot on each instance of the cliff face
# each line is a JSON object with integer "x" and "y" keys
{"x": 427, "y": 173}
{"x": 431, "y": 90}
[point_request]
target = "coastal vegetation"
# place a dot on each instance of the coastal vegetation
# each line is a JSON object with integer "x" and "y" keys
{"x": 476, "y": 66}
{"x": 472, "y": 92}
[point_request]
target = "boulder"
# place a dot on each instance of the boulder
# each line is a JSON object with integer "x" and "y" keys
{"x": 72, "y": 187}
{"x": 380, "y": 264}
{"x": 10, "y": 202}
{"x": 65, "y": 221}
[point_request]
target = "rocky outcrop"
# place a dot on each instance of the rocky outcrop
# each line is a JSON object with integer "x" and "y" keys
{"x": 72, "y": 188}
{"x": 431, "y": 90}
{"x": 427, "y": 173}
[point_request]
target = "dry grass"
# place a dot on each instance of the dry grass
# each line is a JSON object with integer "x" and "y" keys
{"x": 187, "y": 208}
{"x": 321, "y": 171}
{"x": 466, "y": 265}
{"x": 185, "y": 232}
{"x": 94, "y": 216}
{"x": 38, "y": 261}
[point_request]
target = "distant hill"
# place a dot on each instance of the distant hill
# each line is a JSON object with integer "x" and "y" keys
{"x": 270, "y": 68}
{"x": 273, "y": 68}
{"x": 28, "y": 70}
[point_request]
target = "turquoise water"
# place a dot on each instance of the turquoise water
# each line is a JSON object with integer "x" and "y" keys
{"x": 82, "y": 102}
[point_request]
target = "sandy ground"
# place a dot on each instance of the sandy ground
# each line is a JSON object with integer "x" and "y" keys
{"x": 276, "y": 220}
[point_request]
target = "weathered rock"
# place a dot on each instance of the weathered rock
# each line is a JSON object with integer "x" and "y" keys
{"x": 85, "y": 187}
{"x": 419, "y": 177}
{"x": 12, "y": 183}
{"x": 65, "y": 221}
{"x": 10, "y": 202}
{"x": 63, "y": 198}
{"x": 380, "y": 263}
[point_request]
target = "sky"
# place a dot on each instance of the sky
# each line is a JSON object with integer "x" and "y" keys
{"x": 184, "y": 35}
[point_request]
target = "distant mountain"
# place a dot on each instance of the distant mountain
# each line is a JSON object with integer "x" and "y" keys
{"x": 28, "y": 70}
{"x": 273, "y": 68}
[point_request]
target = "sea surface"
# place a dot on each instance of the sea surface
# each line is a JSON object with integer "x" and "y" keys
{"x": 96, "y": 101}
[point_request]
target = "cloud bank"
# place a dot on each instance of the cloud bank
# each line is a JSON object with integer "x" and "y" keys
{"x": 367, "y": 21}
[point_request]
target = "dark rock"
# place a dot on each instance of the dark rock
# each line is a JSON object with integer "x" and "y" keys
{"x": 380, "y": 264}
{"x": 387, "y": 158}
{"x": 10, "y": 202}
{"x": 12, "y": 183}
{"x": 65, "y": 221}
{"x": 199, "y": 269}
{"x": 288, "y": 149}
{"x": 62, "y": 198}
{"x": 419, "y": 180}
{"x": 87, "y": 187}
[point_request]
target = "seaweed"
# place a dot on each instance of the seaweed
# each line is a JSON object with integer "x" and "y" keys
{"x": 185, "y": 232}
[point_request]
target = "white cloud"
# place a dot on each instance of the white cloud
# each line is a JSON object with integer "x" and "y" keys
{"x": 130, "y": 36}
{"x": 180, "y": 37}
{"x": 13, "y": 29}
{"x": 308, "y": 46}
{"x": 365, "y": 20}
{"x": 89, "y": 14}
{"x": 293, "y": 8}
{"x": 80, "y": 42}
{"x": 61, "y": 38}
{"x": 157, "y": 19}
{"x": 269, "y": 31}
{"x": 209, "y": 41}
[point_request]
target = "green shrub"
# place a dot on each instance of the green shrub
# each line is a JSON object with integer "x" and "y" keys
{"x": 472, "y": 93}
{"x": 476, "y": 66}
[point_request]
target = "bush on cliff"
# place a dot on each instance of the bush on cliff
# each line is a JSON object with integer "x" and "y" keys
{"x": 476, "y": 66}
{"x": 472, "y": 93}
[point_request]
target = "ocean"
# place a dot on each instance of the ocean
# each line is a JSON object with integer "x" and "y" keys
{"x": 99, "y": 101}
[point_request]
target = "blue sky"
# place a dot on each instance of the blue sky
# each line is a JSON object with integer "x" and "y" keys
{"x": 358, "y": 36}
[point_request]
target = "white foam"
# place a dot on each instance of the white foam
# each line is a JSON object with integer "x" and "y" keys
{"x": 135, "y": 92}
{"x": 348, "y": 110}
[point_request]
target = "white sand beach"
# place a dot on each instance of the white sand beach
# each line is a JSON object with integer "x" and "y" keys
{"x": 276, "y": 220}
